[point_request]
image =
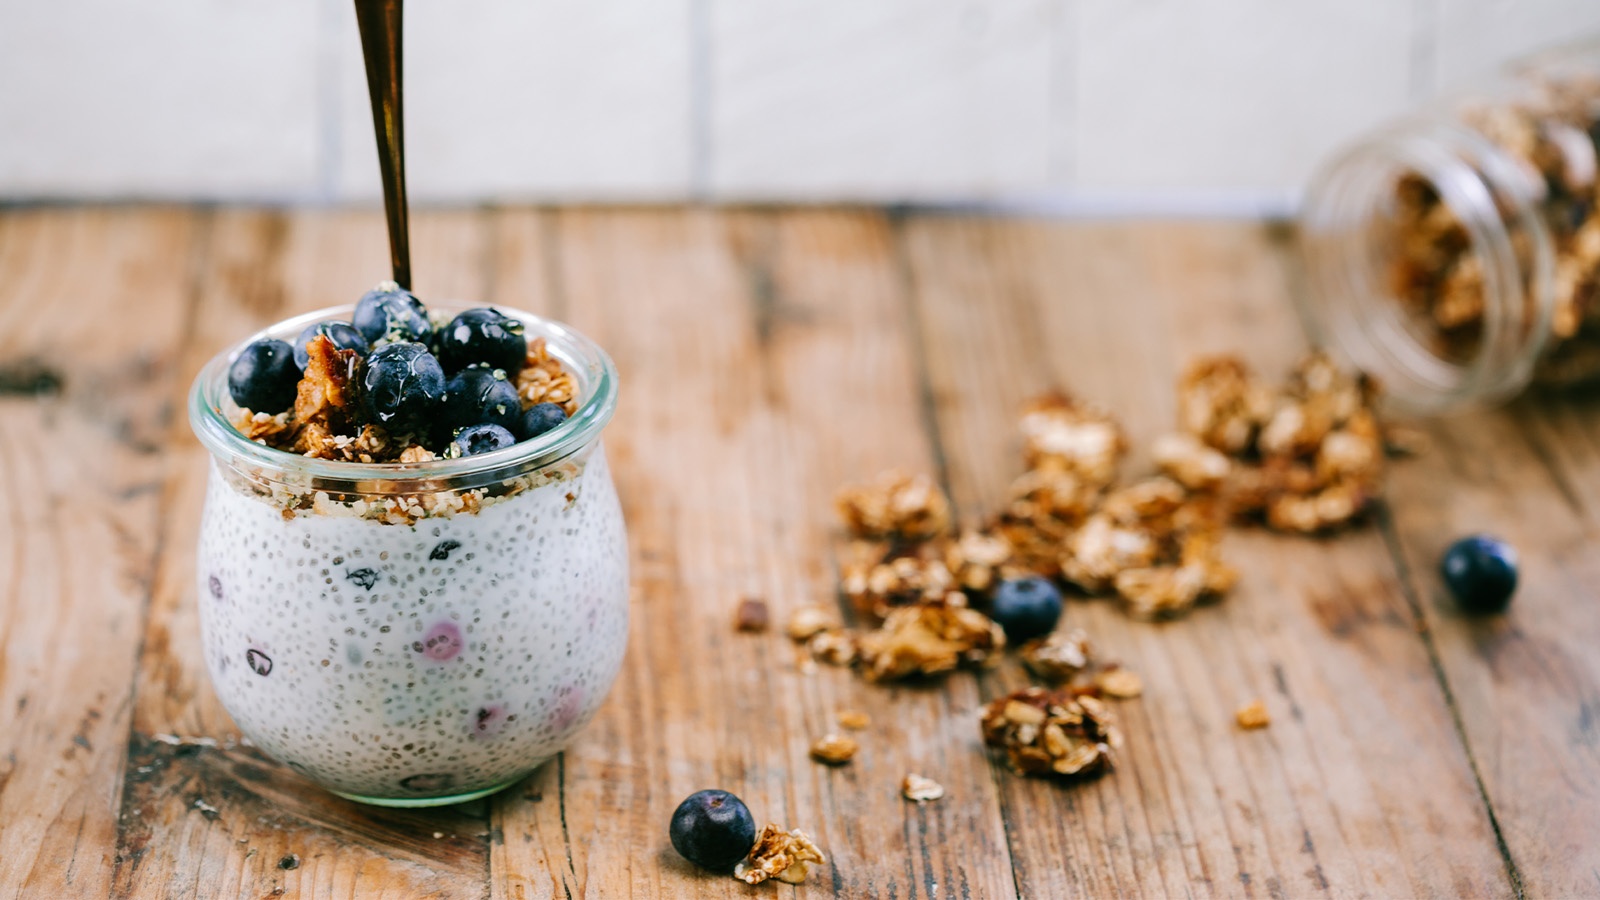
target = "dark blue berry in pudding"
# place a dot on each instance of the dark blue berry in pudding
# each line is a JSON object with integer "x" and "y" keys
{"x": 430, "y": 782}
{"x": 404, "y": 387}
{"x": 443, "y": 548}
{"x": 475, "y": 439}
{"x": 390, "y": 312}
{"x": 343, "y": 335}
{"x": 480, "y": 395}
{"x": 364, "y": 577}
{"x": 263, "y": 377}
{"x": 1026, "y": 608}
{"x": 713, "y": 830}
{"x": 1481, "y": 571}
{"x": 483, "y": 336}
{"x": 539, "y": 418}
{"x": 260, "y": 662}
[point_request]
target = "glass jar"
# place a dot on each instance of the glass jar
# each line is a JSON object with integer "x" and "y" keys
{"x": 413, "y": 634}
{"x": 1455, "y": 255}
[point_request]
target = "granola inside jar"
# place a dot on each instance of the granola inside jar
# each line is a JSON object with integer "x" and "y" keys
{"x": 1455, "y": 255}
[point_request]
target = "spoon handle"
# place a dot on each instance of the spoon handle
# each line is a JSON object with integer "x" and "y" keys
{"x": 380, "y": 44}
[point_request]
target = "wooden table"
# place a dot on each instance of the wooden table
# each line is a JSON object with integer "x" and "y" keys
{"x": 767, "y": 357}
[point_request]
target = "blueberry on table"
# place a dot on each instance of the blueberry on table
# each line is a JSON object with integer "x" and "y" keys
{"x": 713, "y": 830}
{"x": 263, "y": 377}
{"x": 1026, "y": 608}
{"x": 483, "y": 336}
{"x": 390, "y": 312}
{"x": 404, "y": 387}
{"x": 539, "y": 418}
{"x": 475, "y": 439}
{"x": 343, "y": 335}
{"x": 1481, "y": 571}
{"x": 479, "y": 395}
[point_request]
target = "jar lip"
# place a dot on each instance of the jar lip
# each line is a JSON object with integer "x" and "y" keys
{"x": 596, "y": 374}
{"x": 1469, "y": 172}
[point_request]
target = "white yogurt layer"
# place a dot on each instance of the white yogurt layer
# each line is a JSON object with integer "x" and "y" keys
{"x": 408, "y": 661}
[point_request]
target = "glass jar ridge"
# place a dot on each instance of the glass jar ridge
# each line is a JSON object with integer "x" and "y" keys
{"x": 1455, "y": 255}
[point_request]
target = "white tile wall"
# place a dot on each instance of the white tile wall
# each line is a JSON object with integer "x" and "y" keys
{"x": 881, "y": 99}
{"x": 1086, "y": 104}
{"x": 171, "y": 98}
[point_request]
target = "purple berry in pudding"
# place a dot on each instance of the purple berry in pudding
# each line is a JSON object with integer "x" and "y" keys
{"x": 488, "y": 721}
{"x": 263, "y": 377}
{"x": 443, "y": 548}
{"x": 260, "y": 662}
{"x": 427, "y": 783}
{"x": 343, "y": 335}
{"x": 215, "y": 584}
{"x": 389, "y": 312}
{"x": 483, "y": 336}
{"x": 404, "y": 387}
{"x": 442, "y": 643}
{"x": 539, "y": 418}
{"x": 480, "y": 395}
{"x": 364, "y": 577}
{"x": 713, "y": 830}
{"x": 475, "y": 439}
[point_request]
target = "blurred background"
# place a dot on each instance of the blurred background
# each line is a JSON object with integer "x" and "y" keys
{"x": 1081, "y": 106}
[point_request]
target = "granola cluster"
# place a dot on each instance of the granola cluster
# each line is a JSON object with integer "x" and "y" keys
{"x": 896, "y": 506}
{"x": 784, "y": 855}
{"x": 925, "y": 639}
{"x": 1304, "y": 458}
{"x": 1436, "y": 272}
{"x": 1052, "y": 733}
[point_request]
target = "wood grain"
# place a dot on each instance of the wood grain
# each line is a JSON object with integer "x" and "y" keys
{"x": 1362, "y": 776}
{"x": 92, "y": 306}
{"x": 766, "y": 358}
{"x": 1526, "y": 684}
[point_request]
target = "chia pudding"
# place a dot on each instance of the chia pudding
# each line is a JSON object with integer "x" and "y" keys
{"x": 427, "y": 626}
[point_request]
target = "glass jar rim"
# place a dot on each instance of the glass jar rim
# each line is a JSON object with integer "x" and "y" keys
{"x": 593, "y": 368}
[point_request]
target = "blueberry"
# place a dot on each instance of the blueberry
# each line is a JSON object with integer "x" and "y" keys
{"x": 475, "y": 439}
{"x": 342, "y": 334}
{"x": 713, "y": 830}
{"x": 263, "y": 377}
{"x": 1481, "y": 571}
{"x": 480, "y": 395}
{"x": 404, "y": 387}
{"x": 539, "y": 418}
{"x": 1026, "y": 608}
{"x": 390, "y": 312}
{"x": 483, "y": 336}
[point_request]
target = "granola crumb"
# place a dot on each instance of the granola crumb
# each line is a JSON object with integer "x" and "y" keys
{"x": 1051, "y": 733}
{"x": 834, "y": 749}
{"x": 1252, "y": 715}
{"x": 1058, "y": 657}
{"x": 834, "y": 646}
{"x": 895, "y": 505}
{"x": 752, "y": 615}
{"x": 918, "y": 789}
{"x": 930, "y": 639}
{"x": 853, "y": 719}
{"x": 1122, "y": 684}
{"x": 808, "y": 621}
{"x": 784, "y": 855}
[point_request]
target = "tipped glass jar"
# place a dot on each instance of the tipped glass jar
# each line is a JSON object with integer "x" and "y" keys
{"x": 413, "y": 634}
{"x": 1455, "y": 255}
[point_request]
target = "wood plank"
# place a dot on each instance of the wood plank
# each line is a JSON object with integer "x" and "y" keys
{"x": 262, "y": 267}
{"x": 756, "y": 352}
{"x": 87, "y": 361}
{"x": 1526, "y": 684}
{"x": 1361, "y": 785}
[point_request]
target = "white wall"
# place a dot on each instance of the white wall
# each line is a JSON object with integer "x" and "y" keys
{"x": 1096, "y": 105}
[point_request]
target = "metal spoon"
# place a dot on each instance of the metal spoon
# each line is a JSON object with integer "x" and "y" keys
{"x": 380, "y": 44}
